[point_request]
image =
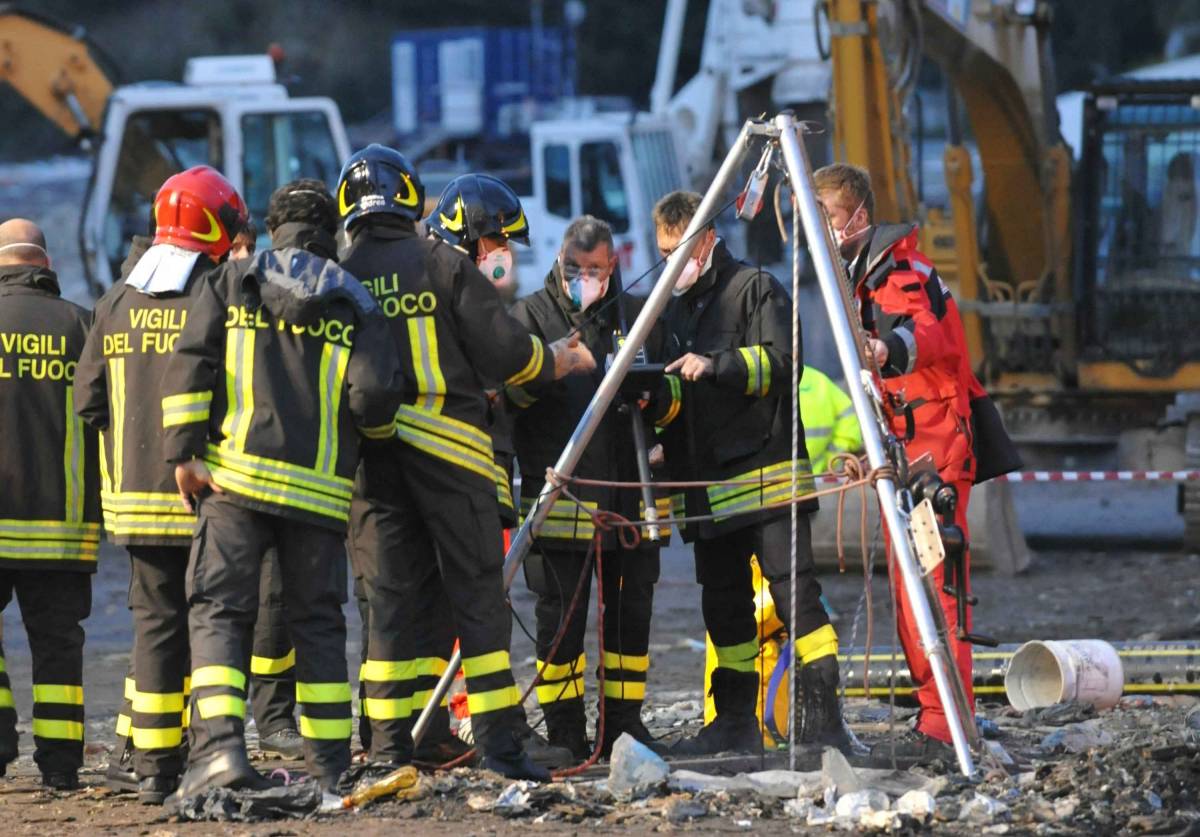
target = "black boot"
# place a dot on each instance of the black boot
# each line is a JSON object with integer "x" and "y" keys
{"x": 438, "y": 745}
{"x": 736, "y": 728}
{"x": 540, "y": 751}
{"x": 223, "y": 769}
{"x": 285, "y": 743}
{"x": 503, "y": 754}
{"x": 566, "y": 727}
{"x": 625, "y": 716}
{"x": 818, "y": 709}
{"x": 153, "y": 790}
{"x": 120, "y": 776}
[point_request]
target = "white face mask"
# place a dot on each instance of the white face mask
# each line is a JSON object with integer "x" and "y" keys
{"x": 497, "y": 265}
{"x": 586, "y": 292}
{"x": 842, "y": 238}
{"x": 692, "y": 271}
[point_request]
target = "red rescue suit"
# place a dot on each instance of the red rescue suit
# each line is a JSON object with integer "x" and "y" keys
{"x": 904, "y": 303}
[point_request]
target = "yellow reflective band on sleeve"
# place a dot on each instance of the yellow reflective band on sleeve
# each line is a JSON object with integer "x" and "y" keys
{"x": 124, "y": 724}
{"x": 819, "y": 643}
{"x": 326, "y": 729}
{"x": 116, "y": 427}
{"x": 216, "y": 706}
{"x": 218, "y": 676}
{"x": 566, "y": 521}
{"x": 73, "y": 461}
{"x": 62, "y": 730}
{"x": 672, "y": 411}
{"x": 740, "y": 657}
{"x": 383, "y": 431}
{"x": 624, "y": 690}
{"x": 273, "y": 665}
{"x": 334, "y": 359}
{"x": 239, "y": 387}
{"x": 387, "y": 671}
{"x": 156, "y": 739}
{"x": 626, "y": 662}
{"x": 69, "y": 695}
{"x": 323, "y": 692}
{"x": 485, "y": 664}
{"x": 561, "y": 671}
{"x": 758, "y": 370}
{"x": 553, "y": 692}
{"x": 534, "y": 367}
{"x": 494, "y": 700}
{"x": 186, "y": 408}
{"x": 431, "y": 384}
{"x": 519, "y": 396}
{"x": 387, "y": 709}
{"x": 6, "y": 698}
{"x": 152, "y": 703}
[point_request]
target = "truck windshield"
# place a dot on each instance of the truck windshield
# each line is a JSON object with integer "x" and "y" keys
{"x": 603, "y": 188}
{"x": 281, "y": 147}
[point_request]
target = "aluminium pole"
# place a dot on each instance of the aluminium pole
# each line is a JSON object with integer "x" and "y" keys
{"x": 949, "y": 687}
{"x": 606, "y": 391}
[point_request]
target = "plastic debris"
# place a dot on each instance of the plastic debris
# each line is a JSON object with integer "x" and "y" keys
{"x": 1077, "y": 738}
{"x": 295, "y": 801}
{"x": 634, "y": 769}
{"x": 982, "y": 809}
{"x": 853, "y": 805}
{"x": 917, "y": 804}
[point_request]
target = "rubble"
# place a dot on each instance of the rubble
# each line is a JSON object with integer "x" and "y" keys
{"x": 634, "y": 770}
{"x": 1077, "y": 738}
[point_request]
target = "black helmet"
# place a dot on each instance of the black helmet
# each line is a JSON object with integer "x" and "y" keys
{"x": 475, "y": 205}
{"x": 379, "y": 179}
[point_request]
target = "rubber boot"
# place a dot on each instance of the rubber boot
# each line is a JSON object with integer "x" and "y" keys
{"x": 820, "y": 712}
{"x": 625, "y": 716}
{"x": 566, "y": 727}
{"x": 223, "y": 769}
{"x": 540, "y": 751}
{"x": 736, "y": 728}
{"x": 119, "y": 776}
{"x": 503, "y": 754}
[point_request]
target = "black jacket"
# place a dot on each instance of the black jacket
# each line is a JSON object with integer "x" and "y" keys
{"x": 117, "y": 392}
{"x": 50, "y": 505}
{"x": 735, "y": 425}
{"x": 453, "y": 337}
{"x": 286, "y": 360}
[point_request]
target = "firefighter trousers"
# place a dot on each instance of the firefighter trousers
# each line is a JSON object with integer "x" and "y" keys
{"x": 53, "y": 606}
{"x": 426, "y": 540}
{"x": 223, "y": 583}
{"x": 273, "y": 658}
{"x": 627, "y": 580}
{"x": 727, "y": 602}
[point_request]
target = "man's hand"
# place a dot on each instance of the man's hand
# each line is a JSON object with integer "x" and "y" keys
{"x": 655, "y": 456}
{"x": 193, "y": 478}
{"x": 879, "y": 350}
{"x": 692, "y": 367}
{"x": 571, "y": 357}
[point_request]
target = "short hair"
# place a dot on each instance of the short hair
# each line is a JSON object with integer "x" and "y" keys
{"x": 674, "y": 211}
{"x": 304, "y": 201}
{"x": 586, "y": 233}
{"x": 249, "y": 231}
{"x": 851, "y": 183}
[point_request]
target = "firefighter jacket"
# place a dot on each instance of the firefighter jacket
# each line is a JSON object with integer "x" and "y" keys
{"x": 737, "y": 424}
{"x": 285, "y": 362}
{"x": 50, "y": 505}
{"x": 902, "y": 301}
{"x": 117, "y": 392}
{"x": 453, "y": 337}
{"x": 830, "y": 423}
{"x": 545, "y": 415}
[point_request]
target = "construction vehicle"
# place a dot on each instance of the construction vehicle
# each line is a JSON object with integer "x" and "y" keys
{"x": 228, "y": 113}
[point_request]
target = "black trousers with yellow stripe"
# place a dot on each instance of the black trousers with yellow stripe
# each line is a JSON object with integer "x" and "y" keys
{"x": 425, "y": 538}
{"x": 727, "y": 602}
{"x": 628, "y": 578}
{"x": 223, "y": 577}
{"x": 273, "y": 658}
{"x": 53, "y": 606}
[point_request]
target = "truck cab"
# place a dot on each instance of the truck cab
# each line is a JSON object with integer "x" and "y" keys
{"x": 230, "y": 114}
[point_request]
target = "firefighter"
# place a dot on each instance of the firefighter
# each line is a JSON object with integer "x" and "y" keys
{"x": 117, "y": 391}
{"x": 727, "y": 418}
{"x": 583, "y": 295}
{"x": 425, "y": 510}
{"x": 830, "y": 423}
{"x": 284, "y": 363}
{"x": 50, "y": 514}
{"x": 918, "y": 344}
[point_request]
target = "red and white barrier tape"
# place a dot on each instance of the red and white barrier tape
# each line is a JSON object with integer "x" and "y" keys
{"x": 1084, "y": 476}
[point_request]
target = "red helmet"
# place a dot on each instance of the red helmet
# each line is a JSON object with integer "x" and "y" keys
{"x": 199, "y": 209}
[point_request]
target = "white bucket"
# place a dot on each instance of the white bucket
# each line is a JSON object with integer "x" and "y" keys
{"x": 1043, "y": 673}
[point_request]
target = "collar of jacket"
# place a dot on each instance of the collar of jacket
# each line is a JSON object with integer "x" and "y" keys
{"x": 296, "y": 285}
{"x": 606, "y": 320}
{"x": 388, "y": 227}
{"x": 722, "y": 258}
{"x": 304, "y": 236}
{"x": 879, "y": 249}
{"x": 30, "y": 276}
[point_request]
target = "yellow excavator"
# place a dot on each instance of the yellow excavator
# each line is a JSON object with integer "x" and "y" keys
{"x": 1078, "y": 280}
{"x": 229, "y": 113}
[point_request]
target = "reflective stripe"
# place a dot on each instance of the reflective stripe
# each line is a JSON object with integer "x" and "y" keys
{"x": 382, "y": 431}
{"x": 273, "y": 665}
{"x": 419, "y": 699}
{"x": 679, "y": 505}
{"x": 326, "y": 728}
{"x": 130, "y": 688}
{"x": 387, "y": 671}
{"x": 811, "y": 432}
{"x": 910, "y": 345}
{"x": 676, "y": 388}
{"x": 156, "y": 738}
{"x": 70, "y": 695}
{"x": 286, "y": 473}
{"x": 116, "y": 381}
{"x": 216, "y": 706}
{"x": 503, "y": 490}
{"x": 49, "y": 540}
{"x": 332, "y": 381}
{"x": 774, "y": 486}
{"x": 534, "y": 367}
{"x": 63, "y": 730}
{"x": 157, "y": 703}
{"x": 48, "y": 530}
{"x": 6, "y": 698}
{"x": 322, "y": 692}
{"x": 388, "y": 709}
{"x": 447, "y": 450}
{"x": 625, "y": 690}
{"x": 740, "y": 657}
{"x": 494, "y": 700}
{"x": 566, "y": 520}
{"x": 430, "y": 666}
{"x": 485, "y": 664}
{"x": 758, "y": 370}
{"x": 124, "y": 725}
{"x": 626, "y": 662}
{"x": 561, "y": 671}
{"x": 819, "y": 643}
{"x": 73, "y": 454}
{"x": 454, "y": 430}
{"x": 563, "y": 690}
{"x": 431, "y": 385}
{"x": 270, "y": 492}
{"x": 239, "y": 387}
{"x": 218, "y": 676}
{"x": 520, "y": 396}
{"x": 186, "y": 408}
